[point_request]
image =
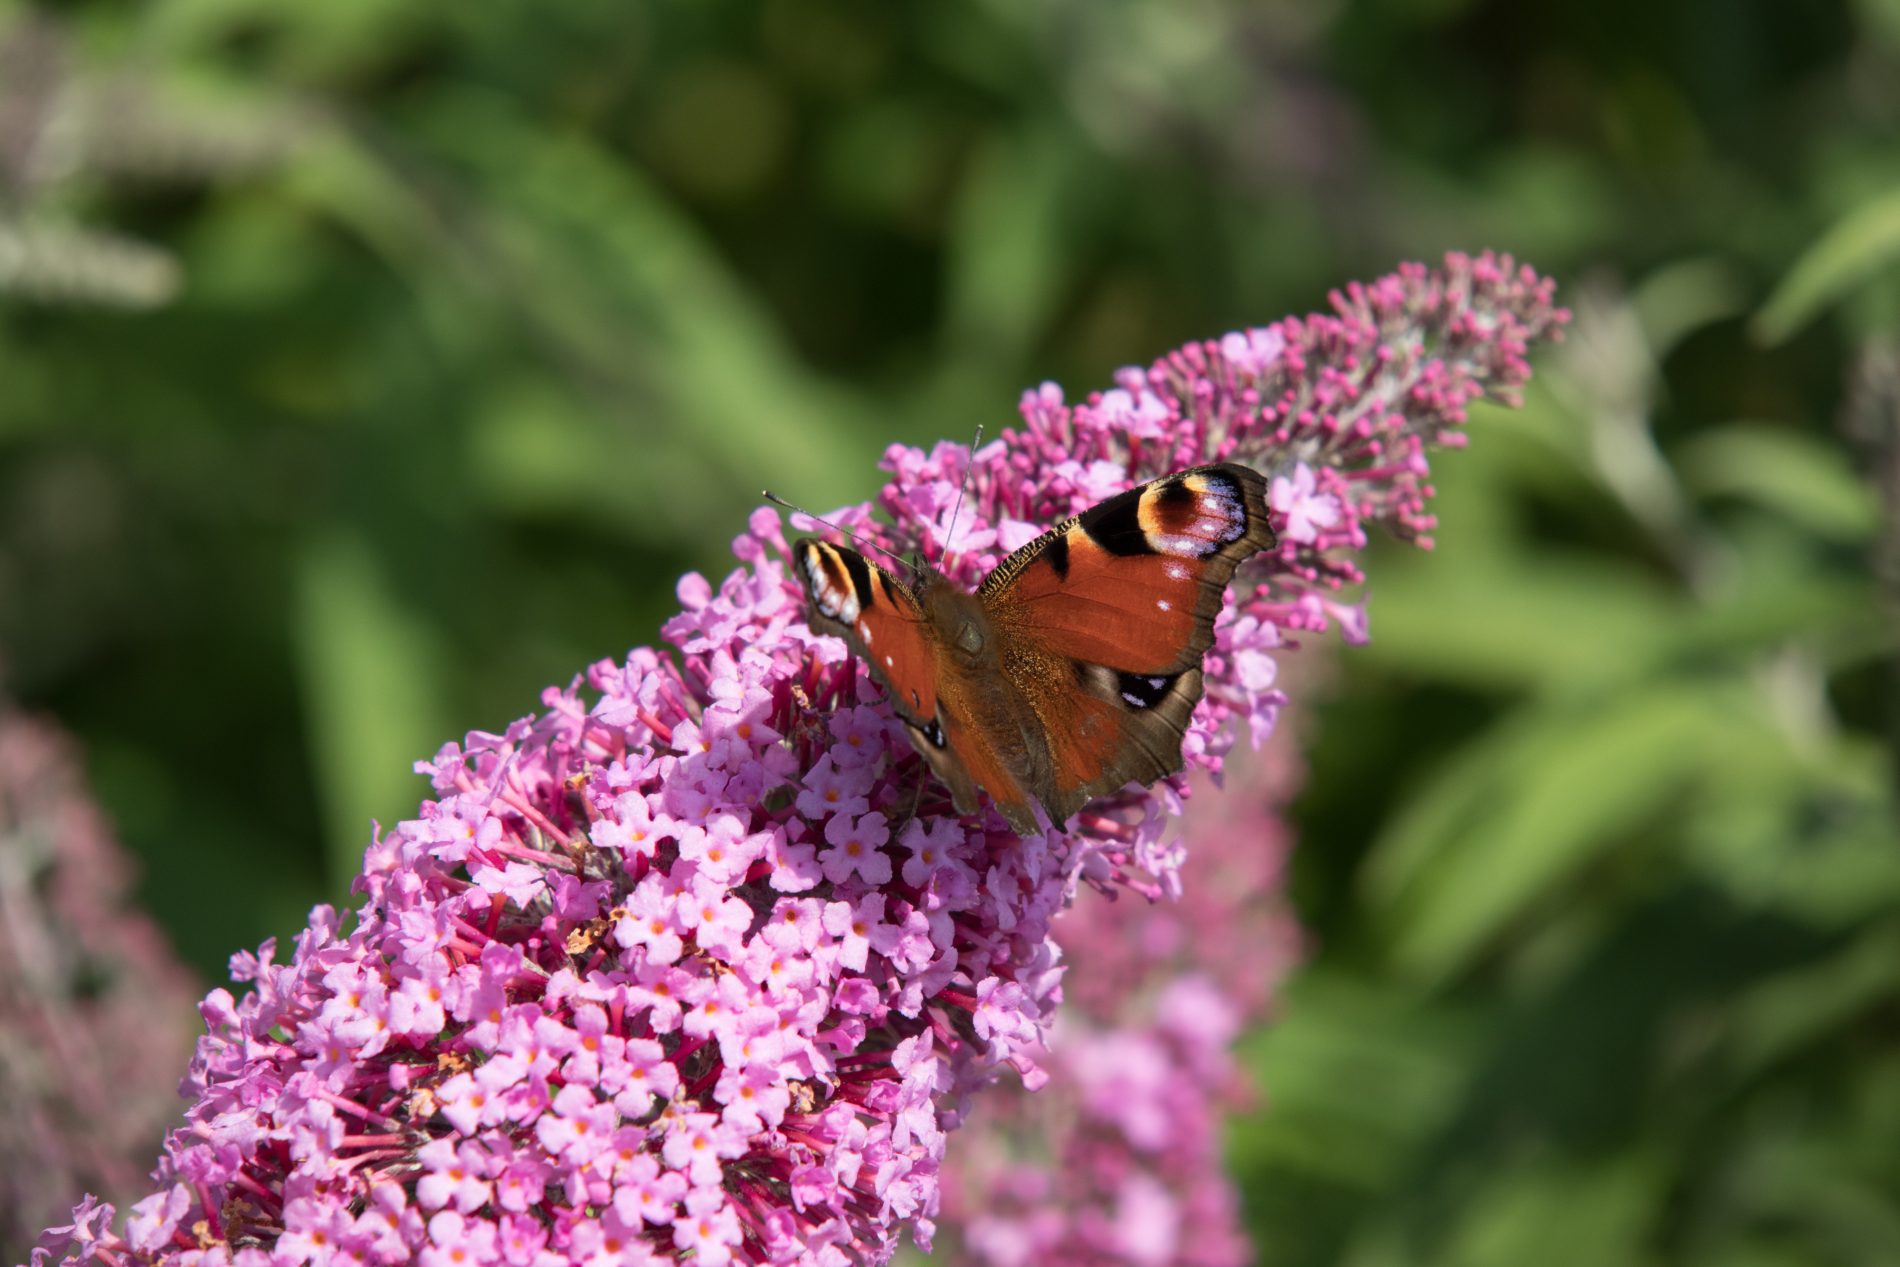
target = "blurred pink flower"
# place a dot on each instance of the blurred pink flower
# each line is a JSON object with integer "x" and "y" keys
{"x": 95, "y": 1019}
{"x": 1118, "y": 1158}
{"x": 705, "y": 858}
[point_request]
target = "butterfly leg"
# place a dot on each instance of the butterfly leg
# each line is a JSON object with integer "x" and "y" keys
{"x": 916, "y": 800}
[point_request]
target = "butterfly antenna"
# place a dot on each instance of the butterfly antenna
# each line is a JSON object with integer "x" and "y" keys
{"x": 950, "y": 534}
{"x": 864, "y": 542}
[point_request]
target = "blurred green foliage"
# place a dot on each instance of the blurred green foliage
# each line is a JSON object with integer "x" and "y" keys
{"x": 366, "y": 366}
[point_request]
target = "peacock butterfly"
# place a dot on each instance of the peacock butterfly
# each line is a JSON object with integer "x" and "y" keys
{"x": 1076, "y": 665}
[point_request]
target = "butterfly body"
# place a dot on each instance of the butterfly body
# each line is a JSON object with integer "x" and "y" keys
{"x": 1075, "y": 667}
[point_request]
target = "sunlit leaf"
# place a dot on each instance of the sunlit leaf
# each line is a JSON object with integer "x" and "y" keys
{"x": 1530, "y": 622}
{"x": 368, "y": 668}
{"x": 1592, "y": 1213}
{"x": 1013, "y": 244}
{"x": 1785, "y": 470}
{"x": 1855, "y": 249}
{"x": 1520, "y": 812}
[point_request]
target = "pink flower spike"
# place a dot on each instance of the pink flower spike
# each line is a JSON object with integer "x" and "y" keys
{"x": 652, "y": 937}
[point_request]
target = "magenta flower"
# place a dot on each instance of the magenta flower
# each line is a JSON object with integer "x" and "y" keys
{"x": 698, "y": 1002}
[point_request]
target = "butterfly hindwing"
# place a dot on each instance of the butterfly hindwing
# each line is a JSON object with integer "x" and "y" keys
{"x": 968, "y": 759}
{"x": 1099, "y": 744}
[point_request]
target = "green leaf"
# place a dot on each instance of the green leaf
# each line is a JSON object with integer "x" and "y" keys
{"x": 1785, "y": 470}
{"x": 1855, "y": 250}
{"x": 1536, "y": 621}
{"x": 1012, "y": 243}
{"x": 372, "y": 699}
{"x": 1361, "y": 1073}
{"x": 1684, "y": 296}
{"x": 1517, "y": 814}
{"x": 1808, "y": 1008}
{"x": 1568, "y": 1213}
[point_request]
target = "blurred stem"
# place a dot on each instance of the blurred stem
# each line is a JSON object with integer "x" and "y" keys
{"x": 1614, "y": 354}
{"x": 1871, "y": 419}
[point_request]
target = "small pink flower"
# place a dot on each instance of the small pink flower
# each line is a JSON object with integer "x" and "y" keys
{"x": 708, "y": 1229}
{"x": 855, "y": 849}
{"x": 860, "y": 929}
{"x": 754, "y": 1096}
{"x": 647, "y": 1193}
{"x": 521, "y": 1181}
{"x": 695, "y": 1143}
{"x": 455, "y": 1241}
{"x": 716, "y": 920}
{"x": 649, "y": 922}
{"x": 1142, "y": 415}
{"x": 926, "y": 842}
{"x": 417, "y": 1008}
{"x": 452, "y": 1175}
{"x": 1306, "y": 509}
{"x": 520, "y": 1239}
{"x": 580, "y": 1127}
{"x": 863, "y": 734}
{"x": 829, "y": 789}
{"x": 647, "y": 1076}
{"x": 1254, "y": 352}
{"x": 153, "y": 1220}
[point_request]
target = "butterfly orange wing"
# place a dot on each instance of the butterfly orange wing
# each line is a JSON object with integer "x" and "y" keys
{"x": 881, "y": 620}
{"x": 1105, "y": 621}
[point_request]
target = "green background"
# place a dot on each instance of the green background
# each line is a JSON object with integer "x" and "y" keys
{"x": 366, "y": 365}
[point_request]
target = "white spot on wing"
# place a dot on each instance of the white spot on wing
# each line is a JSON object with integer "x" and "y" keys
{"x": 864, "y": 632}
{"x": 887, "y": 662}
{"x": 1164, "y": 604}
{"x": 1184, "y": 545}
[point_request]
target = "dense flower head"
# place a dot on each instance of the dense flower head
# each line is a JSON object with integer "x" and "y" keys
{"x": 697, "y": 963}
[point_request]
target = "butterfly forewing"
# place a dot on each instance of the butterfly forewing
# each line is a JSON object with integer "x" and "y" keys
{"x": 1134, "y": 583}
{"x": 881, "y": 619}
{"x": 878, "y": 617}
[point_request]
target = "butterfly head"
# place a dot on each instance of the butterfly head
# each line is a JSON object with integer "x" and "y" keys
{"x": 957, "y": 617}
